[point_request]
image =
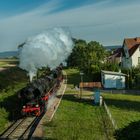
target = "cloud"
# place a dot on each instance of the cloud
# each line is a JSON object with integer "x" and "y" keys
{"x": 102, "y": 21}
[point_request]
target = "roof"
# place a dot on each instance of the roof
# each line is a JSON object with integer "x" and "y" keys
{"x": 117, "y": 52}
{"x": 132, "y": 44}
{"x": 113, "y": 73}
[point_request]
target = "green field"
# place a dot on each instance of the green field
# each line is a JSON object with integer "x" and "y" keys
{"x": 75, "y": 119}
{"x": 78, "y": 119}
{"x": 8, "y": 62}
{"x": 11, "y": 80}
{"x": 2, "y": 63}
{"x": 125, "y": 110}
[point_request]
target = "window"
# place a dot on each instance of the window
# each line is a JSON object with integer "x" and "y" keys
{"x": 138, "y": 60}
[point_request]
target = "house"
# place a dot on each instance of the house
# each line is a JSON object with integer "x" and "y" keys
{"x": 116, "y": 56}
{"x": 113, "y": 80}
{"x": 129, "y": 54}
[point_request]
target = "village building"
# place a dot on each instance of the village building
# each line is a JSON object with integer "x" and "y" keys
{"x": 129, "y": 54}
{"x": 113, "y": 80}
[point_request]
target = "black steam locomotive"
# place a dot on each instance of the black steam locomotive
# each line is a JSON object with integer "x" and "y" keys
{"x": 35, "y": 95}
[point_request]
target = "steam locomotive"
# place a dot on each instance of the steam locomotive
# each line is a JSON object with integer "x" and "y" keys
{"x": 35, "y": 95}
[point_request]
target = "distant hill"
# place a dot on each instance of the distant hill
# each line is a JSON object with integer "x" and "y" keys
{"x": 8, "y": 54}
{"x": 113, "y": 47}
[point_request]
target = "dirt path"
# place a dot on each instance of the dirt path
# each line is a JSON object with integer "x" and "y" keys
{"x": 1, "y": 69}
{"x": 7, "y": 66}
{"x": 55, "y": 101}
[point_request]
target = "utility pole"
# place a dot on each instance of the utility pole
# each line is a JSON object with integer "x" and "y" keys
{"x": 81, "y": 89}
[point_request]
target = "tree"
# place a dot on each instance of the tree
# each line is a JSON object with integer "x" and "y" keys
{"x": 76, "y": 58}
{"x": 95, "y": 55}
{"x": 87, "y": 57}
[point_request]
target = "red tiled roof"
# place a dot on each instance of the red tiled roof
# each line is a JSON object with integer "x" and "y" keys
{"x": 132, "y": 44}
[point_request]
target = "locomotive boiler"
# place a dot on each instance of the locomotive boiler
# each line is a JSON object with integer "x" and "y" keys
{"x": 35, "y": 95}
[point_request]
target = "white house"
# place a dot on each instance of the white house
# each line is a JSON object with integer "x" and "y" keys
{"x": 113, "y": 80}
{"x": 129, "y": 55}
{"x": 131, "y": 52}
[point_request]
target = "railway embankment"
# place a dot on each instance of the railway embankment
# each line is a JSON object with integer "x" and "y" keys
{"x": 78, "y": 118}
{"x": 52, "y": 107}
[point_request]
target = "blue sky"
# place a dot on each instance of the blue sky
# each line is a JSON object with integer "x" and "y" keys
{"x": 106, "y": 21}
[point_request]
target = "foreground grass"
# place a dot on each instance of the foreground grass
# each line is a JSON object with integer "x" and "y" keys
{"x": 78, "y": 119}
{"x": 9, "y": 106}
{"x": 125, "y": 110}
{"x": 126, "y": 105}
{"x": 11, "y": 80}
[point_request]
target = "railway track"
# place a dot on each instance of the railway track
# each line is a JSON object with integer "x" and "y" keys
{"x": 21, "y": 129}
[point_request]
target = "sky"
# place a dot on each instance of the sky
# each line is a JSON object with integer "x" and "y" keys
{"x": 106, "y": 21}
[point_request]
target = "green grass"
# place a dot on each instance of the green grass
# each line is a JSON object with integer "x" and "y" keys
{"x": 125, "y": 110}
{"x": 74, "y": 77}
{"x": 3, "y": 64}
{"x": 78, "y": 119}
{"x": 126, "y": 105}
{"x": 11, "y": 80}
{"x": 7, "y": 62}
{"x": 9, "y": 106}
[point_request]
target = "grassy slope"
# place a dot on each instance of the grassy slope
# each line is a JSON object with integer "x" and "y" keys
{"x": 2, "y": 64}
{"x": 78, "y": 119}
{"x": 11, "y": 80}
{"x": 124, "y": 108}
{"x": 9, "y": 106}
{"x": 10, "y": 77}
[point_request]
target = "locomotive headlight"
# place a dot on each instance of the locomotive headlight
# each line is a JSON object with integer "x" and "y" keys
{"x": 37, "y": 105}
{"x": 24, "y": 106}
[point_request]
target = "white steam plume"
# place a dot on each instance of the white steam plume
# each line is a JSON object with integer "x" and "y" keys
{"x": 49, "y": 48}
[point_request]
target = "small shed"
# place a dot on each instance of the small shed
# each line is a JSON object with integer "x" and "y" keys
{"x": 113, "y": 80}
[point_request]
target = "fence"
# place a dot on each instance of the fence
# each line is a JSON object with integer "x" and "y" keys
{"x": 110, "y": 116}
{"x": 133, "y": 92}
{"x": 90, "y": 85}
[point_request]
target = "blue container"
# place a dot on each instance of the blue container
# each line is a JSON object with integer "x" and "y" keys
{"x": 97, "y": 96}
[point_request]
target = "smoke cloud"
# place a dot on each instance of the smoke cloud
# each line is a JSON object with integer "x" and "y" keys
{"x": 49, "y": 48}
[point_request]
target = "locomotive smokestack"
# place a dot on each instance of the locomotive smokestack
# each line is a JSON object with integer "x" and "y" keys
{"x": 31, "y": 75}
{"x": 49, "y": 48}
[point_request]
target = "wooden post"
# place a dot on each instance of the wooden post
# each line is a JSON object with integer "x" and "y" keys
{"x": 81, "y": 88}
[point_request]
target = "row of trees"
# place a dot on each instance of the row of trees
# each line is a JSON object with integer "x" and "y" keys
{"x": 133, "y": 77}
{"x": 90, "y": 58}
